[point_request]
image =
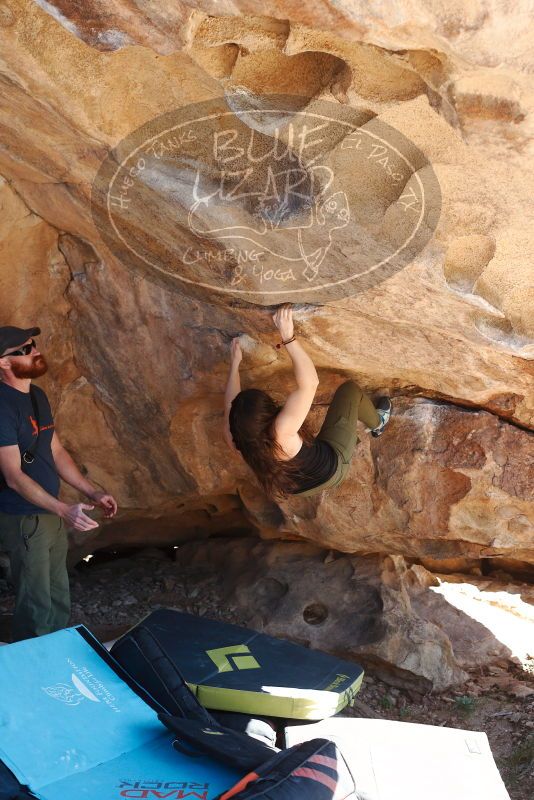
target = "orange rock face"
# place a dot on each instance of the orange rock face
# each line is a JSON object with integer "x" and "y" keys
{"x": 138, "y": 358}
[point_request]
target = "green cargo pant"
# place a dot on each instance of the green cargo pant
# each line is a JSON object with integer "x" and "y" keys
{"x": 37, "y": 549}
{"x": 349, "y": 404}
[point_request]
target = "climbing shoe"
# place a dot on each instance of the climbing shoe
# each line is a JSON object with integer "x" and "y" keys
{"x": 384, "y": 412}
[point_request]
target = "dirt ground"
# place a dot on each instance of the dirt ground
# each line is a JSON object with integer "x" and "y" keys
{"x": 111, "y": 595}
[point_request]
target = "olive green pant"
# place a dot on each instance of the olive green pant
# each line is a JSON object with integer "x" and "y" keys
{"x": 37, "y": 548}
{"x": 349, "y": 404}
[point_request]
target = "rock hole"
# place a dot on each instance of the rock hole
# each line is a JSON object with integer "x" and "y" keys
{"x": 315, "y": 614}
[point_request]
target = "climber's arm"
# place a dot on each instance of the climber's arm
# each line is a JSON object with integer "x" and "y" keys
{"x": 233, "y": 387}
{"x": 289, "y": 420}
{"x": 296, "y": 408}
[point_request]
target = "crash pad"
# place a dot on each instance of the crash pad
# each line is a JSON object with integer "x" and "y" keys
{"x": 231, "y": 668}
{"x": 71, "y": 727}
{"x": 392, "y": 760}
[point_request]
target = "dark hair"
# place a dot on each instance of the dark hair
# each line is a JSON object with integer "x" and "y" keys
{"x": 251, "y": 418}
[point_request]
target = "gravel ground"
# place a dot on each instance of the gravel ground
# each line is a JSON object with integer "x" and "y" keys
{"x": 110, "y": 595}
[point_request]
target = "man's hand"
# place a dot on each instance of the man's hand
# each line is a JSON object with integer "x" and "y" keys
{"x": 107, "y": 502}
{"x": 283, "y": 319}
{"x": 236, "y": 352}
{"x": 75, "y": 518}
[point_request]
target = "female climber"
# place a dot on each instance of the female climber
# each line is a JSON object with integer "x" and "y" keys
{"x": 276, "y": 441}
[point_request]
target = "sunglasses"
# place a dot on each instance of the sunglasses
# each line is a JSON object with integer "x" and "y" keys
{"x": 25, "y": 350}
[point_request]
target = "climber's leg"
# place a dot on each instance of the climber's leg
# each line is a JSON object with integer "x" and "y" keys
{"x": 349, "y": 404}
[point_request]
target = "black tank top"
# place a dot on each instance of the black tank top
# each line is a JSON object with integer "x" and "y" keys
{"x": 317, "y": 463}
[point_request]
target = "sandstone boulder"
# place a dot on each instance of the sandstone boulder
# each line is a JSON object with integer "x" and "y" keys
{"x": 376, "y": 610}
{"x": 138, "y": 362}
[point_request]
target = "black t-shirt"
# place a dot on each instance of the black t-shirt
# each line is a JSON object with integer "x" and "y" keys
{"x": 18, "y": 427}
{"x": 317, "y": 463}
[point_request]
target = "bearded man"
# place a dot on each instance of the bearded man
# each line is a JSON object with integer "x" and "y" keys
{"x": 33, "y": 521}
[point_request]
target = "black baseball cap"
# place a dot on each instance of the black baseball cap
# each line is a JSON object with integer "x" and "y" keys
{"x": 11, "y": 337}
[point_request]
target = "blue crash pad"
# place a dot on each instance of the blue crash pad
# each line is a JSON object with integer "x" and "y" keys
{"x": 71, "y": 727}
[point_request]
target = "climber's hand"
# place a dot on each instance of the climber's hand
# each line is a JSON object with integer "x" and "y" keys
{"x": 283, "y": 319}
{"x": 237, "y": 353}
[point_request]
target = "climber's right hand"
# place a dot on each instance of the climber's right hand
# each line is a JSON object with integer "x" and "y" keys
{"x": 283, "y": 319}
